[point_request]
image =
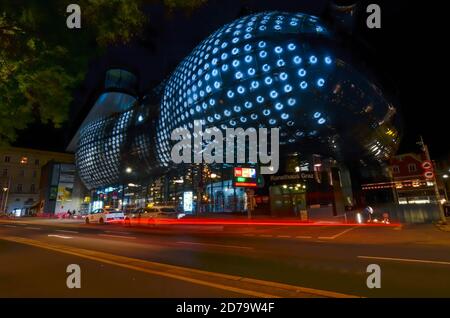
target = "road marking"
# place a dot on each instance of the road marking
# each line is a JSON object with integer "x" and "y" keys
{"x": 9, "y": 226}
{"x": 218, "y": 245}
{"x": 59, "y": 236}
{"x": 405, "y": 260}
{"x": 33, "y": 228}
{"x": 265, "y": 235}
{"x": 118, "y": 236}
{"x": 337, "y": 235}
{"x": 66, "y": 231}
{"x": 222, "y": 281}
{"x": 303, "y": 237}
{"x": 249, "y": 234}
{"x": 284, "y": 236}
{"x": 117, "y": 232}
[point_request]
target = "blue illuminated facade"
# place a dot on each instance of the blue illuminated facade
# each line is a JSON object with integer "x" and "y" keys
{"x": 279, "y": 70}
{"x": 272, "y": 69}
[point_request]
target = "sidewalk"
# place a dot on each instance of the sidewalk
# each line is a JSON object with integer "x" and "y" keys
{"x": 446, "y": 227}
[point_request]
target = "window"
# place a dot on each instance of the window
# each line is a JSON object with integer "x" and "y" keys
{"x": 32, "y": 188}
{"x": 5, "y": 172}
{"x": 19, "y": 188}
{"x": 412, "y": 167}
{"x": 24, "y": 160}
{"x": 36, "y": 162}
{"x": 34, "y": 173}
{"x": 395, "y": 169}
{"x": 7, "y": 158}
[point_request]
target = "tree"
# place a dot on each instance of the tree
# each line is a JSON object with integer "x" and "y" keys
{"x": 42, "y": 62}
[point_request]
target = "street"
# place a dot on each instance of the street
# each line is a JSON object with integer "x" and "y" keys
{"x": 319, "y": 260}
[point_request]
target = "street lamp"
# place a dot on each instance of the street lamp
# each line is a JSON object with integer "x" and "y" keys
{"x": 128, "y": 170}
{"x": 213, "y": 175}
{"x": 4, "y": 199}
{"x": 445, "y": 176}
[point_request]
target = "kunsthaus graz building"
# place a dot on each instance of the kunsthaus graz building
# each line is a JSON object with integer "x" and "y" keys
{"x": 274, "y": 69}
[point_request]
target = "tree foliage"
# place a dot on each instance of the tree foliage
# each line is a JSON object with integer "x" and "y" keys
{"x": 42, "y": 61}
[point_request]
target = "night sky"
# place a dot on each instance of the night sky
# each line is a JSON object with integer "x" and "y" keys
{"x": 409, "y": 54}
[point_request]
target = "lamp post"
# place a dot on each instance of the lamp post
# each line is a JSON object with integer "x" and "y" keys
{"x": 5, "y": 198}
{"x": 436, "y": 189}
{"x": 5, "y": 195}
{"x": 445, "y": 177}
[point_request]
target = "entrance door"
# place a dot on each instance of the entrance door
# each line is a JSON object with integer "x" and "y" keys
{"x": 287, "y": 201}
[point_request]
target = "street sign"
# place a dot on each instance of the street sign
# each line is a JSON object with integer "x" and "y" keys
{"x": 427, "y": 165}
{"x": 428, "y": 174}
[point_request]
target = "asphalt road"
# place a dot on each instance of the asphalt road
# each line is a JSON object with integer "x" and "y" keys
{"x": 118, "y": 261}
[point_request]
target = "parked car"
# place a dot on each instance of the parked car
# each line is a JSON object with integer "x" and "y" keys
{"x": 104, "y": 216}
{"x": 153, "y": 214}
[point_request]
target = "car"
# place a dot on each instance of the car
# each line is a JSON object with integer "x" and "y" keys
{"x": 151, "y": 215}
{"x": 105, "y": 216}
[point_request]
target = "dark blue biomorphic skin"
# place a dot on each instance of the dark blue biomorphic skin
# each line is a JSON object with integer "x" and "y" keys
{"x": 269, "y": 70}
{"x": 279, "y": 70}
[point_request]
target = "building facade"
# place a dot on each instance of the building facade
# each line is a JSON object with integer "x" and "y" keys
{"x": 267, "y": 70}
{"x": 20, "y": 173}
{"x": 61, "y": 190}
{"x": 409, "y": 190}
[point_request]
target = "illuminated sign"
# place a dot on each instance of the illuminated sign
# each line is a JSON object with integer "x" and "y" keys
{"x": 97, "y": 205}
{"x": 245, "y": 177}
{"x": 187, "y": 201}
{"x": 245, "y": 172}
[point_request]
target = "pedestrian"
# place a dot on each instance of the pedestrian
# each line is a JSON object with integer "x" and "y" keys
{"x": 369, "y": 212}
{"x": 68, "y": 213}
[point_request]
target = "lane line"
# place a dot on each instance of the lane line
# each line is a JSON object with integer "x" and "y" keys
{"x": 303, "y": 237}
{"x": 409, "y": 260}
{"x": 284, "y": 236}
{"x": 59, "y": 236}
{"x": 33, "y": 228}
{"x": 265, "y": 235}
{"x": 218, "y": 245}
{"x": 117, "y": 232}
{"x": 9, "y": 225}
{"x": 337, "y": 235}
{"x": 177, "y": 272}
{"x": 66, "y": 231}
{"x": 118, "y": 236}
